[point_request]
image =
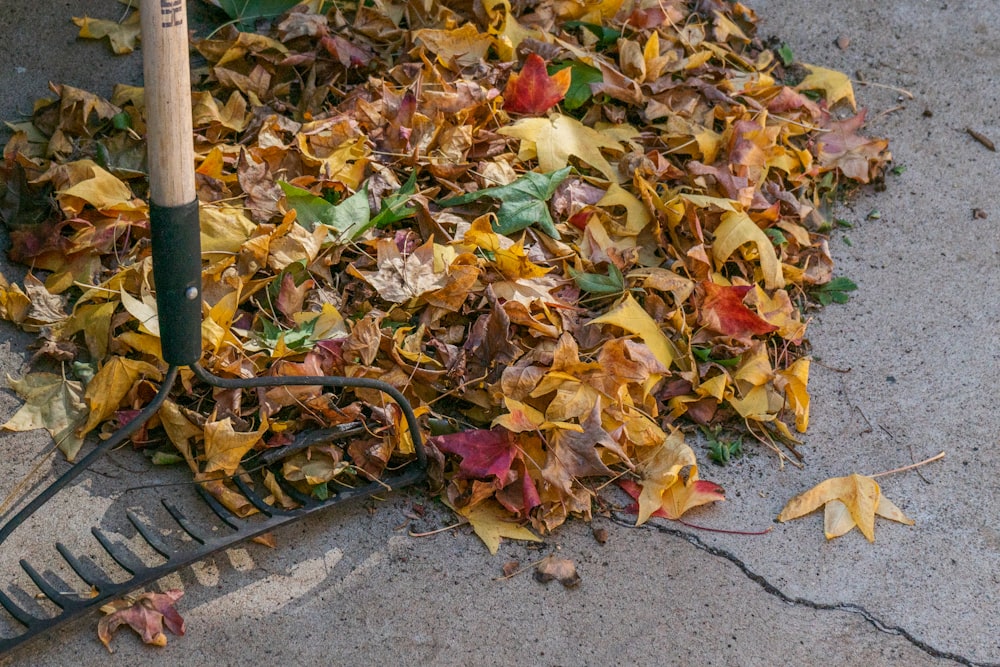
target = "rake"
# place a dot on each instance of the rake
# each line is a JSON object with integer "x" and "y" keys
{"x": 176, "y": 251}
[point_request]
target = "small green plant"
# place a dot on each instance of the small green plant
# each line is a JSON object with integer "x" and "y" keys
{"x": 722, "y": 450}
{"x": 835, "y": 291}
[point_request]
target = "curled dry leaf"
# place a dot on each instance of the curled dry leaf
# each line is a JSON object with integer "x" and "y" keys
{"x": 147, "y": 614}
{"x": 562, "y": 570}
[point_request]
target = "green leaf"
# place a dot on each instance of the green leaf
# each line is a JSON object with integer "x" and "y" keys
{"x": 522, "y": 203}
{"x": 299, "y": 338}
{"x": 394, "y": 206}
{"x": 613, "y": 283}
{"x": 605, "y": 36}
{"x": 350, "y": 218}
{"x": 785, "y": 53}
{"x": 579, "y": 88}
{"x": 776, "y": 236}
{"x": 835, "y": 291}
{"x": 250, "y": 10}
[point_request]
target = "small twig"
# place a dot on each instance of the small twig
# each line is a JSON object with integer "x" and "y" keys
{"x": 439, "y": 530}
{"x": 723, "y": 530}
{"x": 901, "y": 91}
{"x": 982, "y": 138}
{"x": 835, "y": 369}
{"x": 939, "y": 455}
{"x": 519, "y": 570}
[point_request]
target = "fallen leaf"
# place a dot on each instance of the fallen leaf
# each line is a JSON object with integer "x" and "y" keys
{"x": 122, "y": 35}
{"x": 533, "y": 91}
{"x": 855, "y": 499}
{"x": 491, "y": 523}
{"x": 562, "y": 570}
{"x": 835, "y": 85}
{"x": 555, "y": 139}
{"x": 147, "y": 615}
{"x": 225, "y": 447}
{"x": 721, "y": 309}
{"x": 51, "y": 402}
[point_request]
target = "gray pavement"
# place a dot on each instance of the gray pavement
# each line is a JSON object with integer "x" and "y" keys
{"x": 921, "y": 340}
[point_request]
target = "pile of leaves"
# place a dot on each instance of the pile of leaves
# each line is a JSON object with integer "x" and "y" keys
{"x": 569, "y": 232}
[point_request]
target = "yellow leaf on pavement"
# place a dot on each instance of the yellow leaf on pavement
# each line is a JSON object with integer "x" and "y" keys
{"x": 661, "y": 470}
{"x": 123, "y": 35}
{"x": 737, "y": 229}
{"x": 491, "y": 522}
{"x": 855, "y": 500}
{"x": 51, "y": 402}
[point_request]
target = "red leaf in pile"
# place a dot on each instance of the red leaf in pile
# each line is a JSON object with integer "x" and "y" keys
{"x": 533, "y": 91}
{"x": 483, "y": 452}
{"x": 722, "y": 310}
{"x": 146, "y": 615}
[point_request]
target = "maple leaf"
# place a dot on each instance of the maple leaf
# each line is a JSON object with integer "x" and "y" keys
{"x": 225, "y": 447}
{"x": 147, "y": 615}
{"x": 400, "y": 279}
{"x": 850, "y": 501}
{"x": 533, "y": 91}
{"x": 661, "y": 470}
{"x": 736, "y": 229}
{"x": 490, "y": 522}
{"x": 631, "y": 317}
{"x": 856, "y": 157}
{"x": 484, "y": 452}
{"x": 110, "y": 385}
{"x": 678, "y": 498}
{"x": 555, "y": 139}
{"x": 835, "y": 85}
{"x": 722, "y": 310}
{"x": 122, "y": 35}
{"x": 51, "y": 402}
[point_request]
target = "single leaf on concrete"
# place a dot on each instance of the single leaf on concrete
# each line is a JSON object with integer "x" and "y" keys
{"x": 123, "y": 35}
{"x": 533, "y": 91}
{"x": 562, "y": 570}
{"x": 51, "y": 402}
{"x": 147, "y": 615}
{"x": 857, "y": 500}
{"x": 491, "y": 523}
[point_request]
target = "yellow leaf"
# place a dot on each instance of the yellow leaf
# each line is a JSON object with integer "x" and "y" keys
{"x": 461, "y": 47}
{"x": 51, "y": 402}
{"x": 856, "y": 499}
{"x": 180, "y": 431}
{"x": 737, "y": 229}
{"x": 835, "y": 85}
{"x": 225, "y": 448}
{"x": 490, "y": 522}
{"x": 143, "y": 310}
{"x": 123, "y": 35}
{"x": 94, "y": 319}
{"x": 110, "y": 385}
{"x": 631, "y": 317}
{"x": 224, "y": 228}
{"x": 555, "y": 139}
{"x": 98, "y": 188}
{"x": 661, "y": 470}
{"x": 796, "y": 379}
{"x": 637, "y": 215}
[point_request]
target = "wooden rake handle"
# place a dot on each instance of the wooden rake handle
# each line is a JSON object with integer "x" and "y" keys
{"x": 173, "y": 215}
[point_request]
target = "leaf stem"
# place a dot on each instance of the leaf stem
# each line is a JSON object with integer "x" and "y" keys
{"x": 939, "y": 455}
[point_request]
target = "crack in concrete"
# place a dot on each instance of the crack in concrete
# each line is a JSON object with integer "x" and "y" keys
{"x": 771, "y": 589}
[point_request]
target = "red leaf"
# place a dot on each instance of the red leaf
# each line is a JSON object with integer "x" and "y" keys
{"x": 533, "y": 91}
{"x": 722, "y": 310}
{"x": 146, "y": 615}
{"x": 483, "y": 452}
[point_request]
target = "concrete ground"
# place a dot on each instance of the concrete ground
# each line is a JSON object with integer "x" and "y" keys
{"x": 908, "y": 368}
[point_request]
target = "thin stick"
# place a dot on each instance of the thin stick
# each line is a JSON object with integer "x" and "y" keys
{"x": 519, "y": 570}
{"x": 939, "y": 455}
{"x": 901, "y": 91}
{"x": 435, "y": 532}
{"x": 724, "y": 530}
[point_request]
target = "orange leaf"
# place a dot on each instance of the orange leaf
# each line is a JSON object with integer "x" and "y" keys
{"x": 533, "y": 91}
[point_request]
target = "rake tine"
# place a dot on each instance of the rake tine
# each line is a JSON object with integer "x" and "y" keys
{"x": 20, "y": 615}
{"x": 220, "y": 510}
{"x": 293, "y": 493}
{"x": 152, "y": 539}
{"x": 120, "y": 553}
{"x": 183, "y": 522}
{"x": 85, "y": 569}
{"x": 57, "y": 597}
{"x": 254, "y": 497}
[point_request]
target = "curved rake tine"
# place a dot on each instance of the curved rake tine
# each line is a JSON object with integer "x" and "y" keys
{"x": 152, "y": 539}
{"x": 85, "y": 569}
{"x": 20, "y": 615}
{"x": 220, "y": 510}
{"x": 48, "y": 590}
{"x": 120, "y": 553}
{"x": 184, "y": 523}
